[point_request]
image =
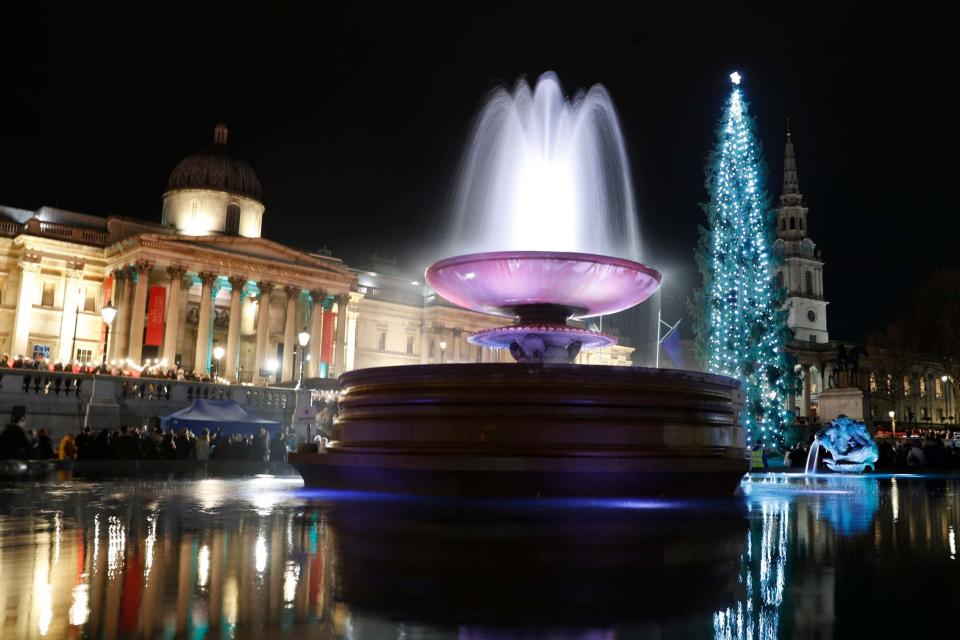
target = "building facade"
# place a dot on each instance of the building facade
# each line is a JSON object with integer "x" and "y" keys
{"x": 913, "y": 386}
{"x": 203, "y": 277}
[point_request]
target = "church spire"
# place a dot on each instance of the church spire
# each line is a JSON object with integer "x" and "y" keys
{"x": 790, "y": 185}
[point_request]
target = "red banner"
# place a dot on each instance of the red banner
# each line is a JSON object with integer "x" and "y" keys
{"x": 156, "y": 314}
{"x": 326, "y": 344}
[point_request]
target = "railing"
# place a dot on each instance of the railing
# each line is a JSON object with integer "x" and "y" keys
{"x": 59, "y": 398}
{"x": 55, "y": 230}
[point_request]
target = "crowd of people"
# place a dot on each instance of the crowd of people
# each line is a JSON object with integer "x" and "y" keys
{"x": 133, "y": 443}
{"x": 929, "y": 451}
{"x": 155, "y": 368}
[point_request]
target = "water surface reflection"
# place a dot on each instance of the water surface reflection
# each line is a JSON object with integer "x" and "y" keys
{"x": 792, "y": 557}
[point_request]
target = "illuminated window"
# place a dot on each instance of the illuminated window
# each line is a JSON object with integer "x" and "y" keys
{"x": 232, "y": 224}
{"x": 907, "y": 386}
{"x": 873, "y": 382}
{"x": 890, "y": 383}
{"x": 41, "y": 351}
{"x": 84, "y": 355}
{"x": 194, "y": 211}
{"x": 923, "y": 386}
{"x": 937, "y": 388}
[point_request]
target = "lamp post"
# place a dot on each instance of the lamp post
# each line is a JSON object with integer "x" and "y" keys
{"x": 893, "y": 421}
{"x": 443, "y": 349}
{"x": 107, "y": 313}
{"x": 76, "y": 323}
{"x": 218, "y": 352}
{"x": 303, "y": 338}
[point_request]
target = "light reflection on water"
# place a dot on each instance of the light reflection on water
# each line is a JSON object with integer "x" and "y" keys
{"x": 793, "y": 557}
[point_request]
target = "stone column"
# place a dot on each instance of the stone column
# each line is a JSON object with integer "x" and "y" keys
{"x": 172, "y": 329}
{"x": 290, "y": 343}
{"x": 350, "y": 361}
{"x": 124, "y": 297}
{"x": 805, "y": 394}
{"x": 233, "y": 332}
{"x": 457, "y": 340}
{"x": 340, "y": 344}
{"x": 27, "y": 296}
{"x": 424, "y": 343}
{"x": 263, "y": 325}
{"x": 68, "y": 318}
{"x": 203, "y": 322}
{"x": 138, "y": 310}
{"x": 316, "y": 332}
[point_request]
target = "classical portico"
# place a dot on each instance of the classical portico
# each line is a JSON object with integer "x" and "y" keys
{"x": 207, "y": 308}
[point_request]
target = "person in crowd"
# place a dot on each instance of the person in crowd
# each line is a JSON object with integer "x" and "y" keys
{"x": 184, "y": 444}
{"x": 915, "y": 457}
{"x": 201, "y": 446}
{"x": 44, "y": 449}
{"x": 68, "y": 447}
{"x": 126, "y": 446}
{"x": 14, "y": 443}
{"x": 168, "y": 448}
{"x": 278, "y": 448}
{"x": 5, "y": 361}
{"x": 83, "y": 441}
{"x": 758, "y": 458}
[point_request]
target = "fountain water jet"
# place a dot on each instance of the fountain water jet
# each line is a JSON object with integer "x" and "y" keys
{"x": 546, "y": 204}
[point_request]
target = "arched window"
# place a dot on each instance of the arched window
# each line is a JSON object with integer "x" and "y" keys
{"x": 232, "y": 224}
{"x": 793, "y": 222}
{"x": 923, "y": 386}
{"x": 873, "y": 382}
{"x": 783, "y": 224}
{"x": 907, "y": 386}
{"x": 808, "y": 282}
{"x": 194, "y": 210}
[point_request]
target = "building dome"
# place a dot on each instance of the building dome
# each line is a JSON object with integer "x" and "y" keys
{"x": 218, "y": 169}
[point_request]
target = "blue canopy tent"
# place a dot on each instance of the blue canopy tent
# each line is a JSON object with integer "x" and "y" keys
{"x": 227, "y": 415}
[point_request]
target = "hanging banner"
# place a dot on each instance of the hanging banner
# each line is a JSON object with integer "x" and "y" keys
{"x": 156, "y": 313}
{"x": 326, "y": 344}
{"x": 107, "y": 297}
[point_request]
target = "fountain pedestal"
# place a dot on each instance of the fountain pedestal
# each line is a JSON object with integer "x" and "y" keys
{"x": 533, "y": 429}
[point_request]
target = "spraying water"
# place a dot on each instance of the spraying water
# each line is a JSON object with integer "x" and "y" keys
{"x": 546, "y": 173}
{"x": 811, "y": 468}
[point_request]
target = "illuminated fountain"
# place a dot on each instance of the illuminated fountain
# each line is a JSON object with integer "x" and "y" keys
{"x": 544, "y": 230}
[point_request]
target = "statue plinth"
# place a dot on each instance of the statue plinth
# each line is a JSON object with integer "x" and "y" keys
{"x": 842, "y": 401}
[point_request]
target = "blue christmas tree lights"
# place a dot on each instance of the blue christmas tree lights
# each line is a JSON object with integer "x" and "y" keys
{"x": 739, "y": 321}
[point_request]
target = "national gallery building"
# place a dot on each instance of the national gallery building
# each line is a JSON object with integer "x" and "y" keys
{"x": 204, "y": 277}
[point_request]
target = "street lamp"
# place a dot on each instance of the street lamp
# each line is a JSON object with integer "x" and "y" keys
{"x": 893, "y": 421}
{"x": 443, "y": 349}
{"x": 218, "y": 352}
{"x": 107, "y": 313}
{"x": 303, "y": 338}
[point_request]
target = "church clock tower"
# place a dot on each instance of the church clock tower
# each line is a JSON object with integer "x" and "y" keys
{"x": 802, "y": 270}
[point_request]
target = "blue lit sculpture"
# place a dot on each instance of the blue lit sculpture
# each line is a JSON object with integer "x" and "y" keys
{"x": 850, "y": 445}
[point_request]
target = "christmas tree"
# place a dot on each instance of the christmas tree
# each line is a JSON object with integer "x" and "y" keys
{"x": 739, "y": 322}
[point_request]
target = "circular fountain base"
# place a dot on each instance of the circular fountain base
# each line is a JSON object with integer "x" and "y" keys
{"x": 533, "y": 429}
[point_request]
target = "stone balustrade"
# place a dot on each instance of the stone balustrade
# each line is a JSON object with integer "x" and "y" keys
{"x": 67, "y": 401}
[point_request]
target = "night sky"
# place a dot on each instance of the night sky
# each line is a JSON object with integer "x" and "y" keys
{"x": 355, "y": 115}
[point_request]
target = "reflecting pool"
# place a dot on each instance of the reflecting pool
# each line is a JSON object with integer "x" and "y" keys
{"x": 792, "y": 557}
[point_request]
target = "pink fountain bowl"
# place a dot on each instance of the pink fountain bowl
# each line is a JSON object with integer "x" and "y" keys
{"x": 585, "y": 284}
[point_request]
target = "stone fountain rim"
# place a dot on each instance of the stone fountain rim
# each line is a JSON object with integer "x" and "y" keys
{"x": 486, "y": 256}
